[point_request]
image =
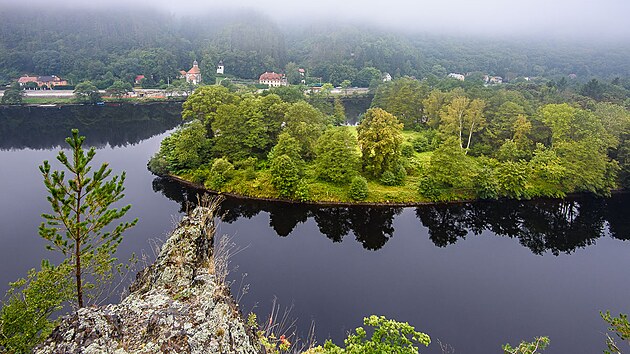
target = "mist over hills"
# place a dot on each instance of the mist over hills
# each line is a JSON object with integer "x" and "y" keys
{"x": 101, "y": 44}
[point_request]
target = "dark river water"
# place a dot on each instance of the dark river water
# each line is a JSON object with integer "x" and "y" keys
{"x": 473, "y": 275}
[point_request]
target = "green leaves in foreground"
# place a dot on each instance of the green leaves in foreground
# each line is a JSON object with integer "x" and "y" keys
{"x": 534, "y": 347}
{"x": 24, "y": 318}
{"x": 389, "y": 337}
{"x": 619, "y": 326}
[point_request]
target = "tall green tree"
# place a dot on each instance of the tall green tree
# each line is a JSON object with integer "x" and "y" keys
{"x": 12, "y": 95}
{"x": 403, "y": 98}
{"x": 305, "y": 123}
{"x": 204, "y": 102}
{"x": 79, "y": 225}
{"x": 339, "y": 112}
{"x": 286, "y": 165}
{"x": 461, "y": 118}
{"x": 337, "y": 156}
{"x": 87, "y": 92}
{"x": 119, "y": 89}
{"x": 380, "y": 138}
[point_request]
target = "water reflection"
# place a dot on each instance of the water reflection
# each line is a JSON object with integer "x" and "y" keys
{"x": 554, "y": 226}
{"x": 116, "y": 125}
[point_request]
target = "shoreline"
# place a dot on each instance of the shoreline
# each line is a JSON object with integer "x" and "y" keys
{"x": 368, "y": 204}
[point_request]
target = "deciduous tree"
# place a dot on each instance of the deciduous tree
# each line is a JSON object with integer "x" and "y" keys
{"x": 380, "y": 137}
{"x": 337, "y": 157}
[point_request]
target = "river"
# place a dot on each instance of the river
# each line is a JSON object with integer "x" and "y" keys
{"x": 473, "y": 275}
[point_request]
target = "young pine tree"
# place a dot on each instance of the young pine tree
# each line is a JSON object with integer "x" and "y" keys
{"x": 82, "y": 211}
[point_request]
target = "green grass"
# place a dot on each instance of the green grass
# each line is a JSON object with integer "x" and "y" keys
{"x": 47, "y": 100}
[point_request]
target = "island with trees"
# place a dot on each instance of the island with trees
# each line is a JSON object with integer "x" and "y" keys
{"x": 419, "y": 142}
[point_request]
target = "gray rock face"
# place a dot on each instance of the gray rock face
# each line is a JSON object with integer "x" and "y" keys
{"x": 177, "y": 305}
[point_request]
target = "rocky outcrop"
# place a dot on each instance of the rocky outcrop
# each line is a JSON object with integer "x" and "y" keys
{"x": 177, "y": 305}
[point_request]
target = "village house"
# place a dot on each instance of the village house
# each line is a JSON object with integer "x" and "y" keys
{"x": 273, "y": 79}
{"x": 138, "y": 79}
{"x": 43, "y": 81}
{"x": 302, "y": 76}
{"x": 387, "y": 77}
{"x": 193, "y": 75}
{"x": 459, "y": 77}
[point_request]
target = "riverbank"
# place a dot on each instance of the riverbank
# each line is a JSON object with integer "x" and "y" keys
{"x": 64, "y": 97}
{"x": 324, "y": 203}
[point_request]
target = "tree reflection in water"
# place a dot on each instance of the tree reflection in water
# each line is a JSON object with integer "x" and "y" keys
{"x": 554, "y": 226}
{"x": 47, "y": 127}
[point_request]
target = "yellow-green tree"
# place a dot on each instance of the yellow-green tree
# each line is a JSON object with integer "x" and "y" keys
{"x": 461, "y": 118}
{"x": 380, "y": 137}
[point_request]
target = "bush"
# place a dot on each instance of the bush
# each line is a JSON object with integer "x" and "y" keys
{"x": 24, "y": 318}
{"x": 301, "y": 191}
{"x": 285, "y": 175}
{"x": 388, "y": 336}
{"x": 426, "y": 141}
{"x": 428, "y": 186}
{"x": 407, "y": 149}
{"x": 395, "y": 177}
{"x": 247, "y": 168}
{"x": 359, "y": 188}
{"x": 158, "y": 165}
{"x": 200, "y": 175}
{"x": 220, "y": 172}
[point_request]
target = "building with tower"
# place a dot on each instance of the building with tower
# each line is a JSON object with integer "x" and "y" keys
{"x": 193, "y": 75}
{"x": 220, "y": 68}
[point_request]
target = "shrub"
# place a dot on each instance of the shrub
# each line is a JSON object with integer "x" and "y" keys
{"x": 200, "y": 175}
{"x": 486, "y": 183}
{"x": 301, "y": 191}
{"x": 220, "y": 172}
{"x": 420, "y": 143}
{"x": 285, "y": 175}
{"x": 428, "y": 186}
{"x": 24, "y": 318}
{"x": 620, "y": 327}
{"x": 395, "y": 177}
{"x": 359, "y": 188}
{"x": 406, "y": 149}
{"x": 158, "y": 165}
{"x": 248, "y": 168}
{"x": 389, "y": 336}
{"x": 539, "y": 343}
{"x": 426, "y": 141}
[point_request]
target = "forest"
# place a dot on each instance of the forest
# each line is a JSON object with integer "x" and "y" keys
{"x": 420, "y": 142}
{"x": 105, "y": 46}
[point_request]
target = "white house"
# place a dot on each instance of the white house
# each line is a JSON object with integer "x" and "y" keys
{"x": 273, "y": 79}
{"x": 459, "y": 77}
{"x": 220, "y": 68}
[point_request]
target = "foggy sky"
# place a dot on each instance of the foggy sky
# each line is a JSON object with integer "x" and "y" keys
{"x": 605, "y": 19}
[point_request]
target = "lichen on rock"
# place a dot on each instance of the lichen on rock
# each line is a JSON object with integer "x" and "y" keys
{"x": 176, "y": 305}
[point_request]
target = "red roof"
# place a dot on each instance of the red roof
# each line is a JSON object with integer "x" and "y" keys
{"x": 271, "y": 76}
{"x": 301, "y": 70}
{"x": 139, "y": 77}
{"x": 194, "y": 70}
{"x": 25, "y": 79}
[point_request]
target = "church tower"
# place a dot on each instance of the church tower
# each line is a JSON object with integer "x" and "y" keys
{"x": 220, "y": 68}
{"x": 194, "y": 74}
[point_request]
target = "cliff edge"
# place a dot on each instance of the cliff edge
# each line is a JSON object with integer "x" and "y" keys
{"x": 177, "y": 305}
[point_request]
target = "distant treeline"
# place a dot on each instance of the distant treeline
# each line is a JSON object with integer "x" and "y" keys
{"x": 102, "y": 46}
